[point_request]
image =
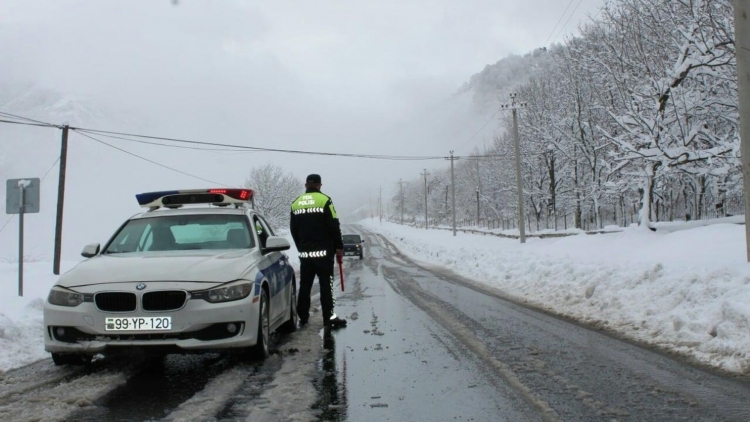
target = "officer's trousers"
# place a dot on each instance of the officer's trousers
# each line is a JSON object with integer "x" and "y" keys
{"x": 309, "y": 268}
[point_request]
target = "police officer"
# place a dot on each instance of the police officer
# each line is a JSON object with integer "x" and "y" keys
{"x": 316, "y": 232}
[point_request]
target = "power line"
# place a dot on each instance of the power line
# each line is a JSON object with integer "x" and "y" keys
{"x": 231, "y": 147}
{"x": 250, "y": 148}
{"x": 568, "y": 21}
{"x": 152, "y": 161}
{"x": 483, "y": 126}
{"x": 50, "y": 168}
{"x": 6, "y": 114}
{"x": 161, "y": 144}
{"x": 558, "y": 22}
{"x": 26, "y": 123}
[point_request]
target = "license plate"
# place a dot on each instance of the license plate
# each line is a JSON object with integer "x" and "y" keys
{"x": 138, "y": 324}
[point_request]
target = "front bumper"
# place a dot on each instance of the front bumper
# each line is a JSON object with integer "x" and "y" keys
{"x": 195, "y": 327}
{"x": 352, "y": 250}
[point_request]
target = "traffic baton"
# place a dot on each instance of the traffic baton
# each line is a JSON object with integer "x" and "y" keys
{"x": 341, "y": 274}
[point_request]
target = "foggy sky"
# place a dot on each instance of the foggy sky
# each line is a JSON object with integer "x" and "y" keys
{"x": 374, "y": 77}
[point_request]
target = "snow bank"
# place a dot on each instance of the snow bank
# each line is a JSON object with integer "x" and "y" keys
{"x": 686, "y": 289}
{"x": 21, "y": 324}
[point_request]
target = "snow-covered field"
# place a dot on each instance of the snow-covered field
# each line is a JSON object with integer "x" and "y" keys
{"x": 685, "y": 289}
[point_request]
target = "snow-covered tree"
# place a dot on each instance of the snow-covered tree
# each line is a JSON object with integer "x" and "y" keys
{"x": 275, "y": 190}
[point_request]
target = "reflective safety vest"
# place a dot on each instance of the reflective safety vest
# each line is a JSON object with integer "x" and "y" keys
{"x": 315, "y": 225}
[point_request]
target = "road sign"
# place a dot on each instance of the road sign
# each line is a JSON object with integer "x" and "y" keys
{"x": 22, "y": 197}
{"x": 30, "y": 195}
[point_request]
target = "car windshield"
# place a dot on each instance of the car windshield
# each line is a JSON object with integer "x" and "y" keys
{"x": 351, "y": 238}
{"x": 182, "y": 232}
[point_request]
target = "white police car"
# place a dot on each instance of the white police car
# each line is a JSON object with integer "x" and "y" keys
{"x": 176, "y": 279}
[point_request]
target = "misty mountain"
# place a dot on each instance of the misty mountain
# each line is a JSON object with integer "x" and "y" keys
{"x": 58, "y": 108}
{"x": 95, "y": 171}
{"x": 490, "y": 87}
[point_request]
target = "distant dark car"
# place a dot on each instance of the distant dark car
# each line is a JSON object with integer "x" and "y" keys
{"x": 353, "y": 245}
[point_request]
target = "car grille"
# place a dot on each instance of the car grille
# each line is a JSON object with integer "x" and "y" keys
{"x": 115, "y": 301}
{"x": 163, "y": 301}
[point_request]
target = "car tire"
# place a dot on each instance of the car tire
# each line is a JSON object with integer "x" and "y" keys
{"x": 260, "y": 350}
{"x": 61, "y": 359}
{"x": 290, "y": 325}
{"x": 361, "y": 255}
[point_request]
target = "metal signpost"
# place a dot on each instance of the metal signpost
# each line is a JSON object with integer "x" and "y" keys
{"x": 22, "y": 197}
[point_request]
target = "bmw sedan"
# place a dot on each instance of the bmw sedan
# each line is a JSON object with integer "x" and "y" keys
{"x": 176, "y": 279}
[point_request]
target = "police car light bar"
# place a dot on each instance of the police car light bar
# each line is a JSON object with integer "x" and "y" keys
{"x": 176, "y": 198}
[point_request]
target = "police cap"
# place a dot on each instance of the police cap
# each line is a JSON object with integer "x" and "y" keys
{"x": 313, "y": 178}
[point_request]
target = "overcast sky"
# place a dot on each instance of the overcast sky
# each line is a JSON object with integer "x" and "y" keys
{"x": 336, "y": 76}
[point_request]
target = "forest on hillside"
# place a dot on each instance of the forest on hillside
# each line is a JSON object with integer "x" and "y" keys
{"x": 634, "y": 120}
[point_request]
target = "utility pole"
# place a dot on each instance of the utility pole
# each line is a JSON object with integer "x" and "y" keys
{"x": 742, "y": 40}
{"x": 60, "y": 201}
{"x": 477, "y": 205}
{"x": 453, "y": 192}
{"x": 380, "y": 204}
{"x": 401, "y": 198}
{"x": 514, "y": 106}
{"x": 425, "y": 174}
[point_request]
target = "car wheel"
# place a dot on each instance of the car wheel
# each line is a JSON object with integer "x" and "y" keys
{"x": 361, "y": 255}
{"x": 67, "y": 359}
{"x": 291, "y": 324}
{"x": 260, "y": 350}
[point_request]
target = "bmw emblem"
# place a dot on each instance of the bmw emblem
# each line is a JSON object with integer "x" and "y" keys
{"x": 140, "y": 286}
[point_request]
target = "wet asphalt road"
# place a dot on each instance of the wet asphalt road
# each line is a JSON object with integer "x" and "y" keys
{"x": 423, "y": 344}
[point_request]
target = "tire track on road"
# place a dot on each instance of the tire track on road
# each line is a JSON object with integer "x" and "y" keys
{"x": 59, "y": 397}
{"x": 435, "y": 308}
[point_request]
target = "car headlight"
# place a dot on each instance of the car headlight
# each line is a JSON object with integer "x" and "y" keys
{"x": 60, "y": 297}
{"x": 227, "y": 294}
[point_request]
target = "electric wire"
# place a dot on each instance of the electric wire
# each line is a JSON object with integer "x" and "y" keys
{"x": 232, "y": 147}
{"x": 161, "y": 144}
{"x": 250, "y": 148}
{"x": 568, "y": 21}
{"x": 6, "y": 114}
{"x": 244, "y": 148}
{"x": 26, "y": 123}
{"x": 152, "y": 161}
{"x": 558, "y": 22}
{"x": 483, "y": 126}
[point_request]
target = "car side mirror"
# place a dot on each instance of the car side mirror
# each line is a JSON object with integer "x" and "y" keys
{"x": 276, "y": 243}
{"x": 91, "y": 250}
{"x": 363, "y": 240}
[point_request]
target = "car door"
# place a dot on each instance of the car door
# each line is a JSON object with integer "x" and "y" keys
{"x": 275, "y": 271}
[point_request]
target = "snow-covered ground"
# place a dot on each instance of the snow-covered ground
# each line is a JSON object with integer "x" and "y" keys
{"x": 683, "y": 288}
{"x": 21, "y": 332}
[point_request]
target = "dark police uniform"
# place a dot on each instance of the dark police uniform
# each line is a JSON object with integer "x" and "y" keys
{"x": 316, "y": 232}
